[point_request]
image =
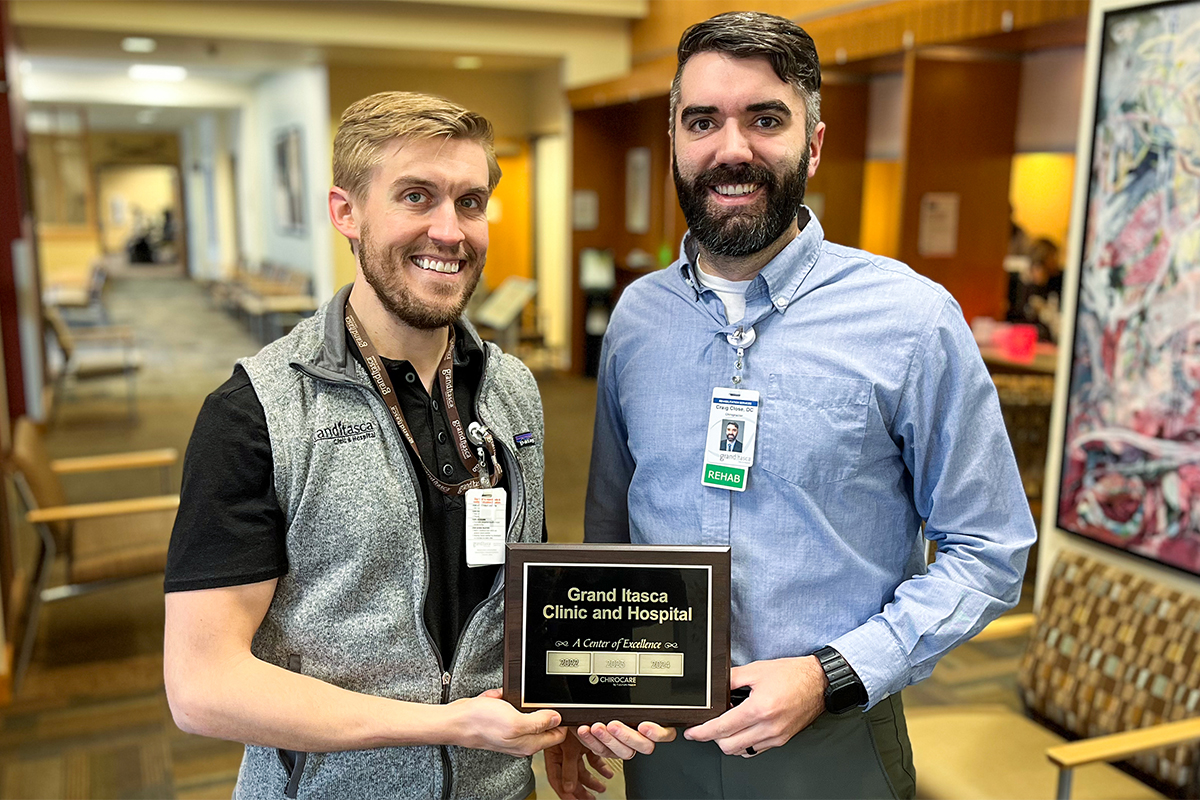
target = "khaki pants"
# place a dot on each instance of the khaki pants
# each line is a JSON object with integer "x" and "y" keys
{"x": 853, "y": 755}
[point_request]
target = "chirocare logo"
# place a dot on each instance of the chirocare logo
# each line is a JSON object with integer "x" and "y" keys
{"x": 342, "y": 432}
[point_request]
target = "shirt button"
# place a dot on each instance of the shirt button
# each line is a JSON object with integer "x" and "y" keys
{"x": 441, "y": 437}
{"x": 447, "y": 470}
{"x": 435, "y": 404}
{"x": 410, "y": 376}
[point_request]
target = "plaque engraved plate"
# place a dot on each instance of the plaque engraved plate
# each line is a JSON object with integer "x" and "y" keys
{"x": 617, "y": 632}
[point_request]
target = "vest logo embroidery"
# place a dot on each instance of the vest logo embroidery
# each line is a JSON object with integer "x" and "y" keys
{"x": 343, "y": 432}
{"x": 524, "y": 439}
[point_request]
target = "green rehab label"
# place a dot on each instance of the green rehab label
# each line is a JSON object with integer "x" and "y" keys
{"x": 725, "y": 477}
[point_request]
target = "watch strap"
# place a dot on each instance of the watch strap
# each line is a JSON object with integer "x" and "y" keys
{"x": 846, "y": 689}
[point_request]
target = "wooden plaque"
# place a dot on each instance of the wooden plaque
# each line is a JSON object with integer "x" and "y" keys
{"x": 617, "y": 632}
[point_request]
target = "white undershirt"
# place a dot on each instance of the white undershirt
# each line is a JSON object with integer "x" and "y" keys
{"x": 732, "y": 293}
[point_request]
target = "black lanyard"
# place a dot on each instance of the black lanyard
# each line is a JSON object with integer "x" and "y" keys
{"x": 446, "y": 381}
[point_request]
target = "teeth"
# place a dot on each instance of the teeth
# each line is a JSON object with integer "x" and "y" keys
{"x": 735, "y": 189}
{"x": 437, "y": 265}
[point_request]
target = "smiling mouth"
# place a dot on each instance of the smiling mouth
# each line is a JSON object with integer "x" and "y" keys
{"x": 736, "y": 189}
{"x": 447, "y": 267}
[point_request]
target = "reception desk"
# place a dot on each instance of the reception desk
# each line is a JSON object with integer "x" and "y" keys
{"x": 1043, "y": 362}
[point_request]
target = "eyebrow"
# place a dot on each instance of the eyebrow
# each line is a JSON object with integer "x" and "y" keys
{"x": 771, "y": 105}
{"x": 777, "y": 106}
{"x": 413, "y": 180}
{"x": 696, "y": 111}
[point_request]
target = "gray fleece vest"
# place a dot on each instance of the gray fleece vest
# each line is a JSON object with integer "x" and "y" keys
{"x": 349, "y": 611}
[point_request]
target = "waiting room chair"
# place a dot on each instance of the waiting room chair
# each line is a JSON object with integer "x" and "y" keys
{"x": 1111, "y": 673}
{"x": 88, "y": 546}
{"x": 82, "y": 302}
{"x": 99, "y": 353}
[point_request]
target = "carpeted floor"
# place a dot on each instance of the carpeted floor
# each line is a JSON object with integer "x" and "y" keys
{"x": 92, "y": 719}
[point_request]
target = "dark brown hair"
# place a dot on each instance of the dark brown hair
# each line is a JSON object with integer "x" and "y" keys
{"x": 752, "y": 34}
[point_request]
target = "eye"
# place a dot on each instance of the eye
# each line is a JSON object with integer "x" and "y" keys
{"x": 471, "y": 203}
{"x": 413, "y": 197}
{"x": 702, "y": 125}
{"x": 767, "y": 123}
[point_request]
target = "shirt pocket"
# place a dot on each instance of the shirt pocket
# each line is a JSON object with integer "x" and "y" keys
{"x": 812, "y": 428}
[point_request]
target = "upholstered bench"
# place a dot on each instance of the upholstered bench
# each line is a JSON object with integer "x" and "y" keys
{"x": 1111, "y": 662}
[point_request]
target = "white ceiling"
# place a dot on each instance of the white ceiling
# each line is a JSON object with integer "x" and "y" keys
{"x": 65, "y": 44}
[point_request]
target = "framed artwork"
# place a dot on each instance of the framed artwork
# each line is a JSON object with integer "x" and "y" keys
{"x": 289, "y": 181}
{"x": 1130, "y": 469}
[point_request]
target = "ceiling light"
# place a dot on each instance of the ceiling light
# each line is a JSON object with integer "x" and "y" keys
{"x": 138, "y": 44}
{"x": 157, "y": 72}
{"x": 468, "y": 62}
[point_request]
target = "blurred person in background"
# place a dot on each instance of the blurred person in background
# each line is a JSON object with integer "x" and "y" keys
{"x": 1035, "y": 293}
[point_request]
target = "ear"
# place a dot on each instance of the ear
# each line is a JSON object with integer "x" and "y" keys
{"x": 814, "y": 148}
{"x": 341, "y": 214}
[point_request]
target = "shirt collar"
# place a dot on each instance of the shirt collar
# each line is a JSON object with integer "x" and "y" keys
{"x": 783, "y": 275}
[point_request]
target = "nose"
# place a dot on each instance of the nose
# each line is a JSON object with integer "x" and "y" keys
{"x": 733, "y": 147}
{"x": 444, "y": 229}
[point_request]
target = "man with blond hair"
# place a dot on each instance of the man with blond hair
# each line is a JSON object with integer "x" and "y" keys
{"x": 331, "y": 600}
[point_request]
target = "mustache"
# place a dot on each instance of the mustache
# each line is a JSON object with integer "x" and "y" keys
{"x": 735, "y": 173}
{"x": 463, "y": 252}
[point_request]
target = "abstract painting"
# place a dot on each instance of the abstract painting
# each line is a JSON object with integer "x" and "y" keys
{"x": 1131, "y": 450}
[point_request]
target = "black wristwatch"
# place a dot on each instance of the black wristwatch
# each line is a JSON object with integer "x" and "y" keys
{"x": 845, "y": 690}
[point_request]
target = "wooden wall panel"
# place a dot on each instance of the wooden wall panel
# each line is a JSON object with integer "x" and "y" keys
{"x": 839, "y": 177}
{"x": 601, "y": 139}
{"x": 846, "y": 33}
{"x": 658, "y": 32}
{"x": 961, "y": 124}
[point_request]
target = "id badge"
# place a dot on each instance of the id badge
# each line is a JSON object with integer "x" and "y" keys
{"x": 486, "y": 517}
{"x": 729, "y": 445}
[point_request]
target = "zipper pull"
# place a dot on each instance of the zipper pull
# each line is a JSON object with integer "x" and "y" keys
{"x": 445, "y": 687}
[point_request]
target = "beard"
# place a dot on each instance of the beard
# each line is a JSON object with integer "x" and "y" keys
{"x": 739, "y": 233}
{"x": 384, "y": 270}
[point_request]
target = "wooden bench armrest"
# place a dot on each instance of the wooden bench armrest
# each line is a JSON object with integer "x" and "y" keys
{"x": 289, "y": 302}
{"x": 108, "y": 333}
{"x": 110, "y": 508}
{"x": 1118, "y": 746}
{"x": 163, "y": 457}
{"x": 1007, "y": 627}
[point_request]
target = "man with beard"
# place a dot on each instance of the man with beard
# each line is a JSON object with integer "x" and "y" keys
{"x": 874, "y": 413}
{"x": 331, "y": 597}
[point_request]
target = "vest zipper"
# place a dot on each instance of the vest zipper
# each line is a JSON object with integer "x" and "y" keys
{"x": 447, "y": 772}
{"x": 517, "y": 484}
{"x": 447, "y": 767}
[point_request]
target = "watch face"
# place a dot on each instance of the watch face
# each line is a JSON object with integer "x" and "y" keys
{"x": 841, "y": 699}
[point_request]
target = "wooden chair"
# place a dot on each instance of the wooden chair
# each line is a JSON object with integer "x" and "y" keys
{"x": 1110, "y": 675}
{"x": 100, "y": 353}
{"x": 96, "y": 544}
{"x": 81, "y": 302}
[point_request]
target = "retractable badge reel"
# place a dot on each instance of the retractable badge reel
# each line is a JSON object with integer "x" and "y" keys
{"x": 732, "y": 425}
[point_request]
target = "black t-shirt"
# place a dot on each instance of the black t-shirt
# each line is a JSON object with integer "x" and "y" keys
{"x": 230, "y": 529}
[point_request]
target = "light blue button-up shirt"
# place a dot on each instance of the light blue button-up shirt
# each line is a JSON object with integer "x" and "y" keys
{"x": 877, "y": 413}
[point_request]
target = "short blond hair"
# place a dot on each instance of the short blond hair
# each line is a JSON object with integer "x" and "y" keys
{"x": 369, "y": 124}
